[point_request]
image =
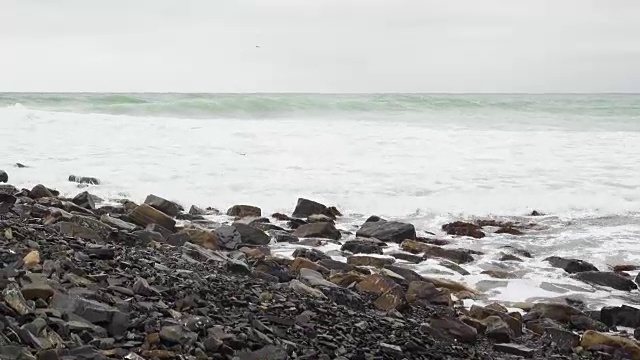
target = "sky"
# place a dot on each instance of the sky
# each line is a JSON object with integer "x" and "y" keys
{"x": 334, "y": 46}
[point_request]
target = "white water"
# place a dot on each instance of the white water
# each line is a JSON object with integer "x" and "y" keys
{"x": 426, "y": 169}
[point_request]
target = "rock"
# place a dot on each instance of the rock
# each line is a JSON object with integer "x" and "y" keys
{"x": 31, "y": 259}
{"x": 319, "y": 218}
{"x": 362, "y": 260}
{"x": 14, "y": 299}
{"x": 509, "y": 230}
{"x": 321, "y": 230}
{"x": 84, "y": 180}
{"x": 256, "y": 253}
{"x": 536, "y": 213}
{"x": 498, "y": 274}
{"x": 539, "y": 326}
{"x": 510, "y": 257}
{"x": 625, "y": 267}
{"x": 305, "y": 208}
{"x": 168, "y": 207}
{"x": 450, "y": 329}
{"x": 40, "y": 191}
{"x": 244, "y": 211}
{"x": 595, "y": 340}
{"x": 84, "y": 200}
{"x": 270, "y": 352}
{"x": 459, "y": 256}
{"x": 311, "y": 254}
{"x": 304, "y": 289}
{"x": 346, "y": 279}
{"x": 314, "y": 278}
{"x": 36, "y": 288}
{"x": 571, "y": 266}
{"x": 497, "y": 329}
{"x": 117, "y": 223}
{"x": 144, "y": 215}
{"x": 561, "y": 339}
{"x": 407, "y": 257}
{"x": 514, "y": 349}
{"x": 388, "y": 231}
{"x": 336, "y": 265}
{"x": 142, "y": 287}
{"x": 555, "y": 311}
{"x": 481, "y": 313}
{"x": 453, "y": 266}
{"x": 375, "y": 284}
{"x": 584, "y": 322}
{"x": 4, "y": 177}
{"x": 424, "y": 291}
{"x": 8, "y": 189}
{"x": 205, "y": 238}
{"x": 6, "y": 202}
{"x": 302, "y": 263}
{"x": 361, "y": 247}
{"x": 620, "y": 316}
{"x": 605, "y": 278}
{"x": 171, "y": 334}
{"x": 449, "y": 284}
{"x": 463, "y": 229}
{"x": 393, "y": 299}
{"x": 249, "y": 235}
{"x": 283, "y": 236}
{"x": 332, "y": 212}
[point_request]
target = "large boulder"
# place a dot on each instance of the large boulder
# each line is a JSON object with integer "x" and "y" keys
{"x": 144, "y": 215}
{"x": 244, "y": 211}
{"x": 362, "y": 246}
{"x": 620, "y": 315}
{"x": 168, "y": 207}
{"x": 229, "y": 237}
{"x": 449, "y": 329}
{"x": 4, "y": 177}
{"x": 572, "y": 266}
{"x": 205, "y": 238}
{"x": 249, "y": 235}
{"x": 283, "y": 236}
{"x": 322, "y": 230}
{"x": 606, "y": 278}
{"x": 305, "y": 208}
{"x": 84, "y": 200}
{"x": 40, "y": 191}
{"x": 461, "y": 228}
{"x": 459, "y": 256}
{"x": 561, "y": 313}
{"x": 593, "y": 340}
{"x": 389, "y": 231}
{"x": 427, "y": 292}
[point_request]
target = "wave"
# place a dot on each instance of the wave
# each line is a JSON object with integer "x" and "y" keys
{"x": 291, "y": 105}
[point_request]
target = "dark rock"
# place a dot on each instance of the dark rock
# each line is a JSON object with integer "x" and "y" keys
{"x": 244, "y": 211}
{"x": 555, "y": 311}
{"x": 319, "y": 218}
{"x": 281, "y": 217}
{"x": 518, "y": 251}
{"x": 311, "y": 254}
{"x": 171, "y": 334}
{"x": 536, "y": 213}
{"x": 335, "y": 265}
{"x": 362, "y": 260}
{"x": 392, "y": 299}
{"x": 321, "y": 230}
{"x": 509, "y": 230}
{"x": 561, "y": 339}
{"x": 84, "y": 180}
{"x": 514, "y": 349}
{"x": 205, "y": 238}
{"x": 584, "y": 322}
{"x": 296, "y": 223}
{"x": 4, "y": 177}
{"x": 427, "y": 292}
{"x": 459, "y": 256}
{"x": 497, "y": 329}
{"x": 283, "y": 236}
{"x": 540, "y": 325}
{"x": 482, "y": 313}
{"x": 373, "y": 218}
{"x": 455, "y": 267}
{"x": 313, "y": 242}
{"x": 388, "y": 231}
{"x": 117, "y": 223}
{"x": 450, "y": 329}
{"x": 194, "y": 210}
{"x": 509, "y": 257}
{"x": 249, "y": 235}
{"x": 168, "y": 207}
{"x": 142, "y": 287}
{"x": 463, "y": 229}
{"x": 6, "y": 202}
{"x": 407, "y": 257}
{"x": 84, "y": 200}
{"x": 605, "y": 278}
{"x": 620, "y": 316}
{"x": 159, "y": 229}
{"x": 361, "y": 247}
{"x": 305, "y": 208}
{"x": 8, "y": 189}
{"x": 40, "y": 191}
{"x": 147, "y": 237}
{"x": 571, "y": 266}
{"x": 270, "y": 352}
{"x": 144, "y": 215}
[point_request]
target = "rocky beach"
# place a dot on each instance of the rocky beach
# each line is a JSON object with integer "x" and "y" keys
{"x": 82, "y": 278}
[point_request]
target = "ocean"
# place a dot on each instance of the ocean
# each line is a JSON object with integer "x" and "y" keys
{"x": 423, "y": 158}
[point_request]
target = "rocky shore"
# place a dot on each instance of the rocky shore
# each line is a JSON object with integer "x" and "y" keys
{"x": 153, "y": 281}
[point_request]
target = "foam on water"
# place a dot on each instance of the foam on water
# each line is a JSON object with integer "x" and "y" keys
{"x": 422, "y": 164}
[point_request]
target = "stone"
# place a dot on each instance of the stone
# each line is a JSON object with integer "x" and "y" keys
{"x": 481, "y": 313}
{"x": 407, "y": 257}
{"x": 459, "y": 256}
{"x": 4, "y": 177}
{"x": 510, "y": 257}
{"x": 624, "y": 315}
{"x": 321, "y": 230}
{"x": 595, "y": 340}
{"x": 336, "y": 265}
{"x": 84, "y": 180}
{"x": 302, "y": 288}
{"x": 228, "y": 236}
{"x": 375, "y": 284}
{"x": 241, "y": 211}
{"x": 606, "y": 278}
{"x": 424, "y": 291}
{"x": 584, "y": 322}
{"x": 117, "y": 223}
{"x": 74, "y": 230}
{"x": 453, "y": 266}
{"x": 499, "y": 274}
{"x": 461, "y": 228}
{"x": 249, "y": 235}
{"x": 561, "y": 339}
{"x": 256, "y": 253}
{"x": 283, "y": 236}
{"x": 169, "y": 208}
{"x": 314, "y": 278}
{"x": 8, "y": 189}
{"x": 509, "y": 230}
{"x": 361, "y": 247}
{"x": 311, "y": 254}
{"x": 14, "y": 299}
{"x": 84, "y": 200}
{"x": 497, "y": 329}
{"x": 571, "y": 266}
{"x": 362, "y": 260}
{"x": 142, "y": 287}
{"x": 474, "y": 323}
{"x": 269, "y": 352}
{"x": 302, "y": 263}
{"x": 305, "y": 208}
{"x": 514, "y": 349}
{"x": 561, "y": 313}
{"x": 40, "y": 191}
{"x": 387, "y": 231}
{"x": 450, "y": 329}
{"x": 36, "y": 288}
{"x": 144, "y": 215}
{"x": 625, "y": 267}
{"x": 392, "y": 299}
{"x": 539, "y": 326}
{"x": 171, "y": 334}
{"x": 346, "y": 279}
{"x": 449, "y": 284}
{"x": 147, "y": 237}
{"x": 201, "y": 237}
{"x": 319, "y": 218}
{"x": 252, "y": 220}
{"x": 31, "y": 259}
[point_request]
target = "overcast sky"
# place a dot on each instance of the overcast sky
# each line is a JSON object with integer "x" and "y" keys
{"x": 320, "y": 46}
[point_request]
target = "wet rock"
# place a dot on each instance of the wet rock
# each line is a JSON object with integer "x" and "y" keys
{"x": 561, "y": 339}
{"x": 407, "y": 257}
{"x": 335, "y": 265}
{"x": 620, "y": 316}
{"x": 362, "y": 260}
{"x": 584, "y": 322}
{"x": 311, "y": 254}
{"x": 392, "y": 299}
{"x": 514, "y": 349}
{"x": 536, "y": 213}
{"x": 481, "y": 313}
{"x": 388, "y": 231}
{"x": 518, "y": 251}
{"x": 593, "y": 340}
{"x": 84, "y": 200}
{"x": 497, "y": 329}
{"x": 459, "y": 256}
{"x": 302, "y": 263}
{"x": 605, "y": 278}
{"x": 321, "y": 230}
{"x": 40, "y": 191}
{"x": 555, "y": 311}
{"x": 228, "y": 236}
{"x": 509, "y": 230}
{"x": 361, "y": 247}
{"x": 449, "y": 284}
{"x": 319, "y": 218}
{"x": 463, "y": 229}
{"x": 571, "y": 266}
{"x": 205, "y": 238}
{"x": 283, "y": 236}
{"x": 625, "y": 267}
{"x": 510, "y": 257}
{"x": 453, "y": 266}
{"x": 424, "y": 291}
{"x": 249, "y": 235}
{"x": 305, "y": 208}
{"x": 167, "y": 207}
{"x": 117, "y": 223}
{"x": 313, "y": 242}
{"x": 144, "y": 215}
{"x": 8, "y": 189}
{"x": 4, "y": 177}
{"x": 84, "y": 180}
{"x": 281, "y": 217}
{"x": 346, "y": 279}
{"x": 244, "y": 211}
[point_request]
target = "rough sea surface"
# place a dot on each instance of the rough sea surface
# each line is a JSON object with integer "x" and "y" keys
{"x": 425, "y": 159}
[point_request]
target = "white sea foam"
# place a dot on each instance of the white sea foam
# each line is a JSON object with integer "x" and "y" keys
{"x": 427, "y": 168}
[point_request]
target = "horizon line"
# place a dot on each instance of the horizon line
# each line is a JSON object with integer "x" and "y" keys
{"x": 316, "y": 93}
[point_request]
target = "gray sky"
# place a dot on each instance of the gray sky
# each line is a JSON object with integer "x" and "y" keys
{"x": 320, "y": 45}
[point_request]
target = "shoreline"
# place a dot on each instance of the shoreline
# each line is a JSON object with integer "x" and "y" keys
{"x": 145, "y": 280}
